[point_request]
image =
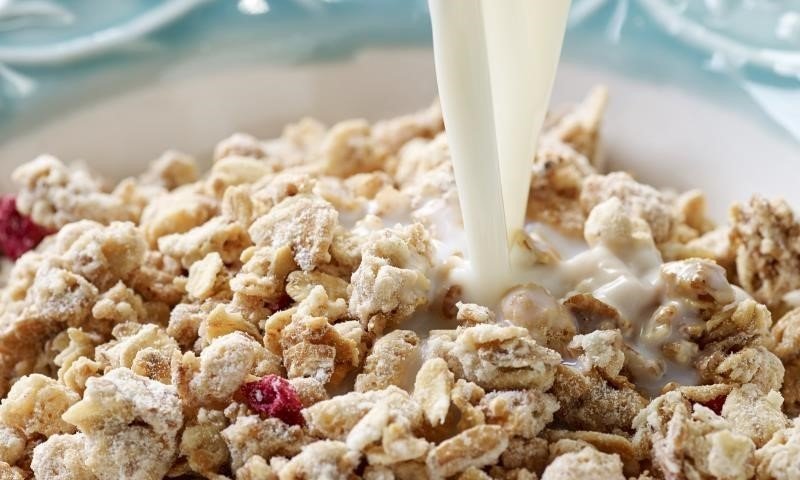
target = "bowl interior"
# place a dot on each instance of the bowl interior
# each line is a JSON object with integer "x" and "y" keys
{"x": 664, "y": 135}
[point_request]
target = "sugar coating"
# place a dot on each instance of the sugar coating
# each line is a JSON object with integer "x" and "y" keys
{"x": 142, "y": 337}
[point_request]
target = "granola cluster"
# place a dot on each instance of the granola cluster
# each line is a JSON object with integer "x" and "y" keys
{"x": 293, "y": 314}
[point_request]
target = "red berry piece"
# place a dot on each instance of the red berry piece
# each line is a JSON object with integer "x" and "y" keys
{"x": 275, "y": 397}
{"x": 18, "y": 233}
{"x": 716, "y": 404}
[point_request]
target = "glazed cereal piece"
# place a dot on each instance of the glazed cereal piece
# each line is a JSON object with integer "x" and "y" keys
{"x": 176, "y": 212}
{"x": 476, "y": 447}
{"x": 556, "y": 183}
{"x": 522, "y": 413}
{"x": 591, "y": 402}
{"x": 185, "y": 320}
{"x": 586, "y": 463}
{"x": 239, "y": 144}
{"x": 580, "y": 126}
{"x": 54, "y": 195}
{"x": 708, "y": 448}
{"x": 299, "y": 285}
{"x": 388, "y": 361}
{"x": 314, "y": 348}
{"x": 309, "y": 390}
{"x": 12, "y": 444}
{"x": 119, "y": 304}
{"x": 391, "y": 281}
{"x": 11, "y": 473}
{"x": 348, "y": 148}
{"x": 34, "y": 405}
{"x": 146, "y": 349}
{"x": 432, "y": 390}
{"x": 171, "y": 170}
{"x": 273, "y": 189}
{"x": 530, "y": 454}
{"x": 777, "y": 459}
{"x": 766, "y": 238}
{"x": 336, "y": 418}
{"x": 610, "y": 225}
{"x": 390, "y": 135}
{"x": 386, "y": 438}
{"x": 106, "y": 254}
{"x": 592, "y": 314}
{"x": 251, "y": 435}
{"x": 603, "y": 442}
{"x": 497, "y": 357}
{"x": 738, "y": 324}
{"x": 81, "y": 344}
{"x": 218, "y": 234}
{"x": 61, "y": 457}
{"x": 636, "y": 199}
{"x": 547, "y": 321}
{"x": 202, "y": 444}
{"x": 130, "y": 424}
{"x": 755, "y": 365}
{"x": 234, "y": 170}
{"x": 158, "y": 279}
{"x": 319, "y": 304}
{"x": 753, "y": 414}
{"x": 256, "y": 468}
{"x": 786, "y": 335}
{"x": 304, "y": 221}
{"x": 714, "y": 245}
{"x": 699, "y": 282}
{"x": 322, "y": 459}
{"x": 601, "y": 350}
{"x": 223, "y": 366}
{"x": 79, "y": 372}
{"x": 262, "y": 277}
{"x": 470, "y": 314}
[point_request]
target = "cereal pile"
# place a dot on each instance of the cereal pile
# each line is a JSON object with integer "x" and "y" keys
{"x": 289, "y": 315}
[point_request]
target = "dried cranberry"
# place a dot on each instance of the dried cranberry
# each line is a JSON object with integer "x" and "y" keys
{"x": 716, "y": 404}
{"x": 275, "y": 397}
{"x": 18, "y": 233}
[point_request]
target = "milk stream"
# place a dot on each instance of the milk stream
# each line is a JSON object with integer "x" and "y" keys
{"x": 524, "y": 40}
{"x": 462, "y": 73}
{"x": 495, "y": 64}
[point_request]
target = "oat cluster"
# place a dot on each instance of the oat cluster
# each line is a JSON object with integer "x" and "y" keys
{"x": 290, "y": 315}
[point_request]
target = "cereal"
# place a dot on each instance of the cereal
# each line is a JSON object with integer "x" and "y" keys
{"x": 299, "y": 311}
{"x": 765, "y": 238}
{"x": 387, "y": 361}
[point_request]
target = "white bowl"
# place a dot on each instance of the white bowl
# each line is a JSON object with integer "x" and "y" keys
{"x": 666, "y": 136}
